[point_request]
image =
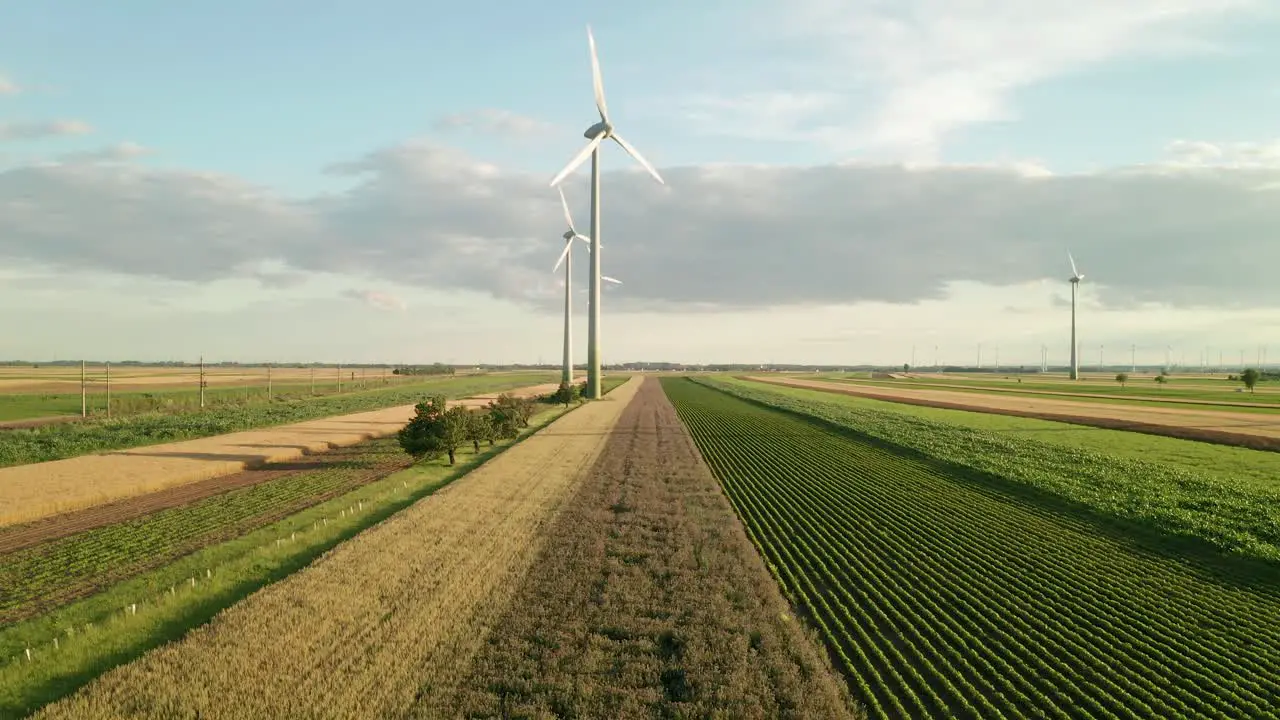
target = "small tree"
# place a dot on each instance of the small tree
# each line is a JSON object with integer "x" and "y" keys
{"x": 502, "y": 418}
{"x": 1250, "y": 378}
{"x": 479, "y": 427}
{"x": 906, "y": 367}
{"x": 564, "y": 395}
{"x": 421, "y": 438}
{"x": 454, "y": 428}
{"x": 1161, "y": 379}
{"x": 1122, "y": 378}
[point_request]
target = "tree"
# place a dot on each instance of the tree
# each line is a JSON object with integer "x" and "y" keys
{"x": 1122, "y": 378}
{"x": 502, "y": 418}
{"x": 1250, "y": 378}
{"x": 906, "y": 367}
{"x": 1161, "y": 379}
{"x": 422, "y": 437}
{"x": 564, "y": 395}
{"x": 454, "y": 428}
{"x": 479, "y": 427}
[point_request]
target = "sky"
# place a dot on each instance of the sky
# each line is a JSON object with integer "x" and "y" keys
{"x": 845, "y": 181}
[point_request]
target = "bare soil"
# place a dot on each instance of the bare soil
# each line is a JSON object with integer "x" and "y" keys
{"x": 1252, "y": 430}
{"x": 1064, "y": 393}
{"x": 648, "y": 600}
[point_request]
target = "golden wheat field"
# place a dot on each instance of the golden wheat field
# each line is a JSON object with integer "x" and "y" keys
{"x": 27, "y": 379}
{"x": 384, "y": 622}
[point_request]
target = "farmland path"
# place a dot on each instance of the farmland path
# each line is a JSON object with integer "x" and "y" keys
{"x": 1119, "y": 399}
{"x": 396, "y": 612}
{"x": 1255, "y": 430}
{"x": 89, "y": 480}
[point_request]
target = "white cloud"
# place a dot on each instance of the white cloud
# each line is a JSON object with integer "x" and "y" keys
{"x": 120, "y": 152}
{"x": 43, "y": 129}
{"x": 715, "y": 238}
{"x": 494, "y": 122}
{"x": 378, "y": 299}
{"x": 1191, "y": 153}
{"x": 908, "y": 73}
{"x": 8, "y": 87}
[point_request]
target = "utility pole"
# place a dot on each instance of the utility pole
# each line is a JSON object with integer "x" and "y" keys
{"x": 201, "y": 382}
{"x": 997, "y": 368}
{"x": 313, "y": 379}
{"x": 268, "y": 382}
{"x": 1101, "y": 365}
{"x": 935, "y": 358}
{"x": 979, "y": 356}
{"x": 339, "y": 377}
{"x": 913, "y": 357}
{"x": 108, "y": 389}
{"x": 84, "y": 394}
{"x": 1133, "y": 358}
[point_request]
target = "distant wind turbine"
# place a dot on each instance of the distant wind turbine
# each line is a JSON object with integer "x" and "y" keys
{"x": 566, "y": 257}
{"x": 1075, "y": 279}
{"x": 597, "y": 134}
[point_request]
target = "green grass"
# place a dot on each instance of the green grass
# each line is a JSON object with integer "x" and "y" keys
{"x": 1136, "y": 393}
{"x": 52, "y": 442}
{"x": 41, "y": 577}
{"x": 1230, "y": 463}
{"x": 946, "y": 592}
{"x": 1232, "y": 515}
{"x": 97, "y": 633}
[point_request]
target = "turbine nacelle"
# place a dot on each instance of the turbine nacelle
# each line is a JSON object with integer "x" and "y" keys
{"x": 602, "y": 127}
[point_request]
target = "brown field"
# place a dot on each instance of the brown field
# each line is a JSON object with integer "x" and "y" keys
{"x": 384, "y": 622}
{"x": 1252, "y": 430}
{"x": 647, "y": 600}
{"x": 31, "y": 492}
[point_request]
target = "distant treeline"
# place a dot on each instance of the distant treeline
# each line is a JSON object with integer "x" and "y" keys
{"x": 432, "y": 369}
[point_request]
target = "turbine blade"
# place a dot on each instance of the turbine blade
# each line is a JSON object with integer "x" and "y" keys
{"x": 1074, "y": 271}
{"x": 578, "y": 159}
{"x": 636, "y": 154}
{"x": 584, "y": 239}
{"x": 596, "y": 81}
{"x": 565, "y": 204}
{"x": 609, "y": 279}
{"x": 563, "y": 254}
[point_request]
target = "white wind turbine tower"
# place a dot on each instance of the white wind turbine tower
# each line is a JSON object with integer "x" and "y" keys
{"x": 566, "y": 257}
{"x": 597, "y": 134}
{"x": 1075, "y": 279}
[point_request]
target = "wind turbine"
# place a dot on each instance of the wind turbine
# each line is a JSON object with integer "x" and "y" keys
{"x": 566, "y": 257}
{"x": 1075, "y": 279}
{"x": 597, "y": 134}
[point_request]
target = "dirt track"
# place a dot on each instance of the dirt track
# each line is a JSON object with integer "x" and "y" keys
{"x": 31, "y": 492}
{"x": 1253, "y": 430}
{"x": 1171, "y": 400}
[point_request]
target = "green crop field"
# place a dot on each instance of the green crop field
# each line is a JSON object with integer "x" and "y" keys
{"x": 52, "y": 442}
{"x": 1238, "y": 515}
{"x": 942, "y": 594}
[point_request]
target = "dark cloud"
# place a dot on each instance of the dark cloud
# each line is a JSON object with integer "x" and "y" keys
{"x": 716, "y": 236}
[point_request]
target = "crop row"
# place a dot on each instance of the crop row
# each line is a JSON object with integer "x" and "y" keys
{"x": 38, "y": 578}
{"x": 1239, "y": 517}
{"x": 942, "y": 598}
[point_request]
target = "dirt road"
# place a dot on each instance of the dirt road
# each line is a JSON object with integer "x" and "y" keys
{"x": 31, "y": 492}
{"x": 381, "y": 621}
{"x": 1259, "y": 431}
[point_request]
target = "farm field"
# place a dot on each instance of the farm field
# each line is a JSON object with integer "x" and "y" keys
{"x": 648, "y": 600}
{"x": 944, "y": 592}
{"x": 172, "y": 598}
{"x": 396, "y": 613}
{"x": 1255, "y": 430}
{"x": 53, "y": 392}
{"x": 31, "y": 492}
{"x": 1222, "y": 397}
{"x": 1177, "y": 501}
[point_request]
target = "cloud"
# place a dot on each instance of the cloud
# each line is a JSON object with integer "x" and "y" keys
{"x": 716, "y": 237}
{"x": 378, "y": 299}
{"x": 494, "y": 122}
{"x": 9, "y": 87}
{"x": 897, "y": 77}
{"x": 43, "y": 129}
{"x": 1194, "y": 153}
{"x": 120, "y": 152}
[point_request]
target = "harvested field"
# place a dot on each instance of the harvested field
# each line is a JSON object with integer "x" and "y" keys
{"x": 31, "y": 492}
{"x": 383, "y": 621}
{"x": 1253, "y": 430}
{"x": 648, "y": 600}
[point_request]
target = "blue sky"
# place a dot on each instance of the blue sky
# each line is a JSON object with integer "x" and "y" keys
{"x": 269, "y": 94}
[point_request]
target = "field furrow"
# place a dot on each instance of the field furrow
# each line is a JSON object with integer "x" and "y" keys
{"x": 947, "y": 596}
